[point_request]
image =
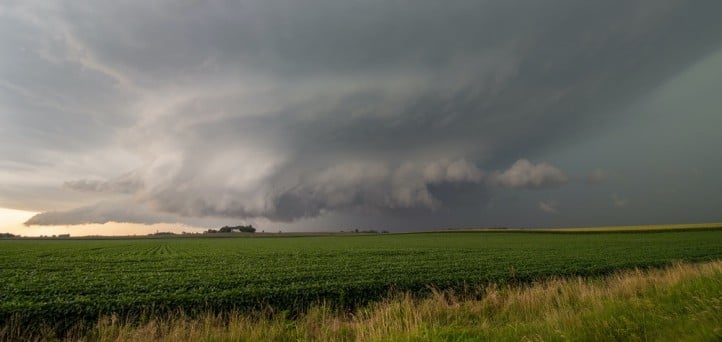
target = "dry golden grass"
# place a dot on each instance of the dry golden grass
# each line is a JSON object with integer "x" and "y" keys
{"x": 681, "y": 302}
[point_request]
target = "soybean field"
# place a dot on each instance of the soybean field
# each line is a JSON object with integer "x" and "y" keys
{"x": 64, "y": 281}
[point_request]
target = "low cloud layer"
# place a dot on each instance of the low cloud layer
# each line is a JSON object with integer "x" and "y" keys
{"x": 524, "y": 174}
{"x": 356, "y": 185}
{"x": 102, "y": 212}
{"x": 287, "y": 110}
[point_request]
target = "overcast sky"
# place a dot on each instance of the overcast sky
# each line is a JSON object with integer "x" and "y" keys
{"x": 333, "y": 114}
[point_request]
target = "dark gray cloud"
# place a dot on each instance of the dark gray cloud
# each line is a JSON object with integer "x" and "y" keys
{"x": 296, "y": 109}
{"x": 619, "y": 202}
{"x": 597, "y": 176}
{"x": 551, "y": 207}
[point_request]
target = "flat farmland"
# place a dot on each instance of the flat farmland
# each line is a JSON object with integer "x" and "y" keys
{"x": 64, "y": 281}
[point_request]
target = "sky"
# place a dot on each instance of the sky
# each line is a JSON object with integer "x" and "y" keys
{"x": 139, "y": 116}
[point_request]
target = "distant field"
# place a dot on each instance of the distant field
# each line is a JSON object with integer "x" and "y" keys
{"x": 62, "y": 281}
{"x": 659, "y": 227}
{"x": 641, "y": 228}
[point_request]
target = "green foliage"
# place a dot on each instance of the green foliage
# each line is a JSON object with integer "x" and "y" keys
{"x": 63, "y": 281}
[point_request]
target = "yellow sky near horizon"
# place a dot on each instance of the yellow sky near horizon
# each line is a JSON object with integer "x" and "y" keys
{"x": 12, "y": 221}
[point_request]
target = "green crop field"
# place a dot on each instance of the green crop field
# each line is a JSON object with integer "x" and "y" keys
{"x": 63, "y": 281}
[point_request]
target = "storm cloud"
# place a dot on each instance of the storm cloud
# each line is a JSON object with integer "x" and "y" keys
{"x": 288, "y": 110}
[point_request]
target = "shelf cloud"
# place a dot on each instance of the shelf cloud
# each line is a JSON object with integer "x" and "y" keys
{"x": 288, "y": 110}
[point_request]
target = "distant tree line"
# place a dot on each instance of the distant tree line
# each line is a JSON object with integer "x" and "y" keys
{"x": 6, "y": 235}
{"x": 369, "y": 231}
{"x": 228, "y": 229}
{"x": 161, "y": 234}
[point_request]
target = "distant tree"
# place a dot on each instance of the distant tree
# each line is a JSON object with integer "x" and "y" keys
{"x": 246, "y": 229}
{"x": 6, "y": 235}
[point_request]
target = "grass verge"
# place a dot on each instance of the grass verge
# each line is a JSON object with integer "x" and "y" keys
{"x": 677, "y": 303}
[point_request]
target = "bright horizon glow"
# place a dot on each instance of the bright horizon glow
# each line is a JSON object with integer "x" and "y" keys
{"x": 12, "y": 221}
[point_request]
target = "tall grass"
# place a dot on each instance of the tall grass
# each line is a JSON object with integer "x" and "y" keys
{"x": 681, "y": 302}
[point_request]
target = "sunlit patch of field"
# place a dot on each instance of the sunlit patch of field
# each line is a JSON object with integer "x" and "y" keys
{"x": 637, "y": 228}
